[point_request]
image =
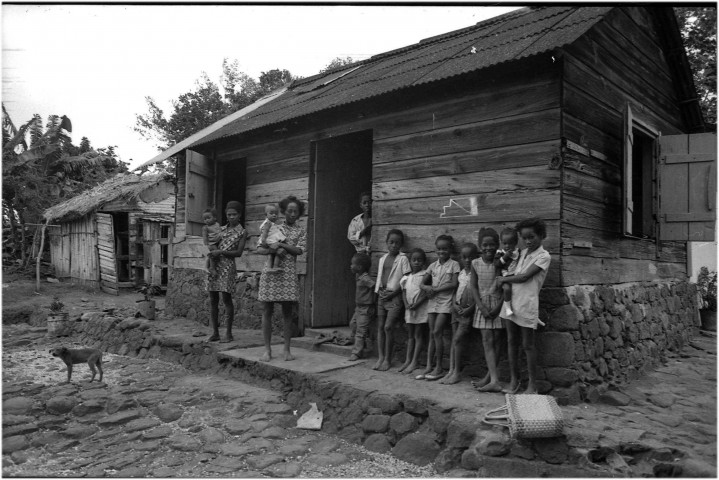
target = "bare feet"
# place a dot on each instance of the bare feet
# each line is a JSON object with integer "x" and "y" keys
{"x": 289, "y": 357}
{"x": 436, "y": 374}
{"x": 403, "y": 367}
{"x": 491, "y": 387}
{"x": 266, "y": 357}
{"x": 451, "y": 379}
{"x": 446, "y": 377}
{"x": 531, "y": 389}
{"x": 512, "y": 388}
{"x": 384, "y": 366}
{"x": 379, "y": 362}
{"x": 410, "y": 368}
{"x": 214, "y": 338}
{"x": 481, "y": 383}
{"x": 353, "y": 358}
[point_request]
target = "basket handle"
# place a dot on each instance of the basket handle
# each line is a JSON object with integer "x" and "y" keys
{"x": 497, "y": 416}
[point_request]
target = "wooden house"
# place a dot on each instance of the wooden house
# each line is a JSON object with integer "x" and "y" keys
{"x": 584, "y": 116}
{"x": 116, "y": 234}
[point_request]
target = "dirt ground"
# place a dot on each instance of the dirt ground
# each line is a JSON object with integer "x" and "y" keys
{"x": 21, "y": 303}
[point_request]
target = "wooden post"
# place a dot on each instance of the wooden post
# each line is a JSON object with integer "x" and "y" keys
{"x": 39, "y": 255}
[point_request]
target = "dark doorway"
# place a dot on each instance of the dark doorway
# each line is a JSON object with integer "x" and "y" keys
{"x": 231, "y": 185}
{"x": 341, "y": 169}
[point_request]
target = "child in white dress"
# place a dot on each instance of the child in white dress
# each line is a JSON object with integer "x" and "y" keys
{"x": 271, "y": 234}
{"x": 506, "y": 261}
{"x": 415, "y": 308}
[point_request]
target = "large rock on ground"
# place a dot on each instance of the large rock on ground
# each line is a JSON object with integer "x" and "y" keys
{"x": 14, "y": 443}
{"x": 376, "y": 423}
{"x": 17, "y": 405}
{"x": 168, "y": 412}
{"x": 377, "y": 443}
{"x": 417, "y": 448}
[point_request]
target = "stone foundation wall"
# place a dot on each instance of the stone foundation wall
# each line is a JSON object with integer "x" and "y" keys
{"x": 187, "y": 297}
{"x": 595, "y": 337}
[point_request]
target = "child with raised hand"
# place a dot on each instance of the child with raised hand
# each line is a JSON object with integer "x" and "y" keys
{"x": 506, "y": 261}
{"x": 393, "y": 265}
{"x": 440, "y": 282}
{"x": 211, "y": 236}
{"x": 526, "y": 282}
{"x": 364, "y": 302}
{"x": 463, "y": 311}
{"x": 270, "y": 235}
{"x": 415, "y": 308}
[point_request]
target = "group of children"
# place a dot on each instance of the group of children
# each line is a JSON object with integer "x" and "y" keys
{"x": 489, "y": 289}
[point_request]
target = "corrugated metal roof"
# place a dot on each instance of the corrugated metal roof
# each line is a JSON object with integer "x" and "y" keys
{"x": 502, "y": 39}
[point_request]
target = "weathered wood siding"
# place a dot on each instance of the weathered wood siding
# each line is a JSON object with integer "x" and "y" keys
{"x": 619, "y": 61}
{"x": 73, "y": 251}
{"x": 492, "y": 141}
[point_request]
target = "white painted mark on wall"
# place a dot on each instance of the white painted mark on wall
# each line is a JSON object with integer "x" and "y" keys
{"x": 460, "y": 207}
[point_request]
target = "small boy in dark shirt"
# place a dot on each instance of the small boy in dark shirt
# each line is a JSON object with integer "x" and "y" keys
{"x": 364, "y": 302}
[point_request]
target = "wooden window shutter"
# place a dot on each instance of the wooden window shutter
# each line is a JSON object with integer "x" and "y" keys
{"x": 627, "y": 172}
{"x": 199, "y": 192}
{"x": 687, "y": 187}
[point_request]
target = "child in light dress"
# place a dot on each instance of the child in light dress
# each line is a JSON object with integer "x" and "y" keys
{"x": 506, "y": 261}
{"x": 488, "y": 299}
{"x": 392, "y": 267}
{"x": 439, "y": 283}
{"x": 415, "y": 308}
{"x": 526, "y": 282}
{"x": 271, "y": 234}
{"x": 462, "y": 313}
{"x": 364, "y": 303}
{"x": 211, "y": 236}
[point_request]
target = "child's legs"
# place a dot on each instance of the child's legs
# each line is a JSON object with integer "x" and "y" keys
{"x": 458, "y": 342}
{"x": 277, "y": 257}
{"x": 507, "y": 292}
{"x": 361, "y": 321}
{"x": 431, "y": 322}
{"x": 418, "y": 341}
{"x": 513, "y": 337}
{"x": 491, "y": 355}
{"x": 455, "y": 326}
{"x": 381, "y": 317}
{"x": 531, "y": 351}
{"x": 410, "y": 344}
{"x": 394, "y": 316}
{"x": 437, "y": 333}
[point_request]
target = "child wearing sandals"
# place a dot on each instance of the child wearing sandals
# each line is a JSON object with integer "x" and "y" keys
{"x": 488, "y": 299}
{"x": 271, "y": 234}
{"x": 439, "y": 282}
{"x": 392, "y": 267}
{"x": 462, "y": 313}
{"x": 526, "y": 282}
{"x": 415, "y": 308}
{"x": 506, "y": 261}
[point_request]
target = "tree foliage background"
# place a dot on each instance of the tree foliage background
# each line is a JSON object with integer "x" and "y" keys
{"x": 41, "y": 167}
{"x": 206, "y": 103}
{"x": 699, "y": 31}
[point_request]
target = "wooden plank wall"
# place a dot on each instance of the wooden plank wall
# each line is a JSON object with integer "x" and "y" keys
{"x": 495, "y": 145}
{"x": 73, "y": 249}
{"x": 620, "y": 61}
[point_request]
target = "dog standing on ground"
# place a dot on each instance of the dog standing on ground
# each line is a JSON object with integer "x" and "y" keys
{"x": 71, "y": 356}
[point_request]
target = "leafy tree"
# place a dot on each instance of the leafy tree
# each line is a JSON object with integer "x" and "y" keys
{"x": 698, "y": 28}
{"x": 337, "y": 62}
{"x": 41, "y": 167}
{"x": 206, "y": 103}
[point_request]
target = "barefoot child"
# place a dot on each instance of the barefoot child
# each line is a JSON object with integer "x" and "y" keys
{"x": 270, "y": 235}
{"x": 392, "y": 267}
{"x": 440, "y": 282}
{"x": 463, "y": 311}
{"x": 526, "y": 282}
{"x": 506, "y": 261}
{"x": 364, "y": 302}
{"x": 211, "y": 236}
{"x": 415, "y": 308}
{"x": 488, "y": 298}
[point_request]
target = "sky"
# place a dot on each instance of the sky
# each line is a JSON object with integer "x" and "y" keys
{"x": 97, "y": 63}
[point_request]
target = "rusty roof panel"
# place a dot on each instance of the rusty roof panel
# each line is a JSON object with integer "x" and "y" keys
{"x": 509, "y": 37}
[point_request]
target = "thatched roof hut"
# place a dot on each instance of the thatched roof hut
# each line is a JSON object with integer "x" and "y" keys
{"x": 115, "y": 234}
{"x": 121, "y": 188}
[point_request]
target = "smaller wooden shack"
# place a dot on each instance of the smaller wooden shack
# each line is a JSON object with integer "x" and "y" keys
{"x": 115, "y": 235}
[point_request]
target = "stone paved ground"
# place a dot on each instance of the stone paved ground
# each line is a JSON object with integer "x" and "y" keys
{"x": 150, "y": 418}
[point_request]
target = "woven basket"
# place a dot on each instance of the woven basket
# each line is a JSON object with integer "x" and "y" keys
{"x": 528, "y": 416}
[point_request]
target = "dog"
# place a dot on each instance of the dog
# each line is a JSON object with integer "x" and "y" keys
{"x": 71, "y": 356}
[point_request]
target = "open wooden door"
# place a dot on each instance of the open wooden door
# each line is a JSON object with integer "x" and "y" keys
{"x": 688, "y": 187}
{"x": 199, "y": 191}
{"x": 341, "y": 170}
{"x": 106, "y": 253}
